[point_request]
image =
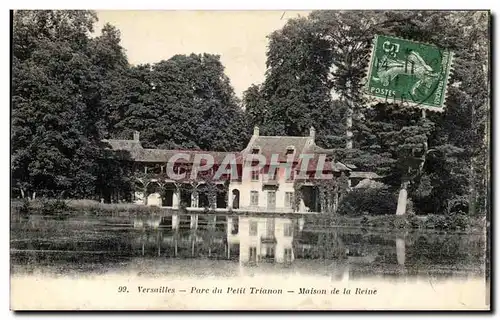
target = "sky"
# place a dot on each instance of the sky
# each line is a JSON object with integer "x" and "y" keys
{"x": 239, "y": 37}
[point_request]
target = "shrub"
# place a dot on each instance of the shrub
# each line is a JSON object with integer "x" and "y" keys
{"x": 400, "y": 222}
{"x": 359, "y": 202}
{"x": 459, "y": 221}
{"x": 410, "y": 207}
{"x": 52, "y": 207}
{"x": 416, "y": 222}
{"x": 435, "y": 221}
{"x": 25, "y": 207}
{"x": 448, "y": 222}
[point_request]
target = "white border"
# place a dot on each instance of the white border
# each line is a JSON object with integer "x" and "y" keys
{"x": 189, "y": 5}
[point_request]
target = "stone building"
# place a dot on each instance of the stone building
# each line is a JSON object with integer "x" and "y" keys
{"x": 285, "y": 183}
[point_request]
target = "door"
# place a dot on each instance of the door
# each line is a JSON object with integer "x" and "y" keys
{"x": 236, "y": 199}
{"x": 271, "y": 200}
{"x": 287, "y": 255}
{"x": 253, "y": 254}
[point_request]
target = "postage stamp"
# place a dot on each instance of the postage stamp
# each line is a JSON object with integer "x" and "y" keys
{"x": 408, "y": 73}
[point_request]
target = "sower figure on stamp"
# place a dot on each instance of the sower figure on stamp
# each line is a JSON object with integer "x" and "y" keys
{"x": 389, "y": 68}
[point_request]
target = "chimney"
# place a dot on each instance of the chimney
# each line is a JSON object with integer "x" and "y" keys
{"x": 136, "y": 136}
{"x": 256, "y": 131}
{"x": 312, "y": 133}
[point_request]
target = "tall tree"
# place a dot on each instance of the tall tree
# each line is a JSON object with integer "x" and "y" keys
{"x": 56, "y": 109}
{"x": 349, "y": 36}
{"x": 185, "y": 102}
{"x": 437, "y": 147}
{"x": 255, "y": 106}
{"x": 111, "y": 69}
{"x": 297, "y": 87}
{"x": 428, "y": 157}
{"x": 459, "y": 138}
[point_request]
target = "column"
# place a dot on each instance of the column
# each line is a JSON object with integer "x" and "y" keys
{"x": 175, "y": 221}
{"x": 400, "y": 250}
{"x": 193, "y": 221}
{"x": 229, "y": 199}
{"x": 145, "y": 195}
{"x": 175, "y": 199}
{"x": 302, "y": 205}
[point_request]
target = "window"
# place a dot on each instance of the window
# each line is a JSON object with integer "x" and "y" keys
{"x": 271, "y": 200}
{"x": 255, "y": 151}
{"x": 273, "y": 173}
{"x": 289, "y": 151}
{"x": 270, "y": 252}
{"x": 253, "y": 228}
{"x": 254, "y": 198}
{"x": 179, "y": 170}
{"x": 255, "y": 175}
{"x": 255, "y": 170}
{"x": 288, "y": 199}
{"x": 235, "y": 227}
{"x": 288, "y": 254}
{"x": 288, "y": 230}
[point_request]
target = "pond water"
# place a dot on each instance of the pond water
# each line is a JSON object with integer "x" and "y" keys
{"x": 219, "y": 245}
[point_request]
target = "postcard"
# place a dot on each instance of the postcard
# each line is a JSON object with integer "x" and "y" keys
{"x": 250, "y": 160}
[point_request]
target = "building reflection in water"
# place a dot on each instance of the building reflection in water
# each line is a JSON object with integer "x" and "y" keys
{"x": 247, "y": 239}
{"x": 262, "y": 239}
{"x": 254, "y": 240}
{"x": 300, "y": 244}
{"x": 400, "y": 250}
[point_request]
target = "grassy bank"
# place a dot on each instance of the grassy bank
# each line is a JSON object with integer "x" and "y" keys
{"x": 459, "y": 222}
{"x": 62, "y": 208}
{"x": 81, "y": 207}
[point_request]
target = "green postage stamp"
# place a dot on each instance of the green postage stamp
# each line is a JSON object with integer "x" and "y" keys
{"x": 408, "y": 73}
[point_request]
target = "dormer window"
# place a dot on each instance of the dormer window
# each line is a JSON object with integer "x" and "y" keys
{"x": 290, "y": 150}
{"x": 255, "y": 150}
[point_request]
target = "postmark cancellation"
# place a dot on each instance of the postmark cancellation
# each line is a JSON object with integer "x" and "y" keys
{"x": 408, "y": 73}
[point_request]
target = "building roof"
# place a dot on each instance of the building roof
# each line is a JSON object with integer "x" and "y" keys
{"x": 369, "y": 184}
{"x": 118, "y": 144}
{"x": 137, "y": 153}
{"x": 364, "y": 175}
{"x": 351, "y": 166}
{"x": 267, "y": 145}
{"x": 316, "y": 149}
{"x": 339, "y": 166}
{"x": 328, "y": 165}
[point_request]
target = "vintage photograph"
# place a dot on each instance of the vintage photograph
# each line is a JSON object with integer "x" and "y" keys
{"x": 250, "y": 160}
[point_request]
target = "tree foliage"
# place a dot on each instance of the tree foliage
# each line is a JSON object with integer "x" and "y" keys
{"x": 71, "y": 90}
{"x": 183, "y": 102}
{"x": 54, "y": 118}
{"x": 296, "y": 92}
{"x": 328, "y": 51}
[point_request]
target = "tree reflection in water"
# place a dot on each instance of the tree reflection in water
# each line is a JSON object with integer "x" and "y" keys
{"x": 262, "y": 243}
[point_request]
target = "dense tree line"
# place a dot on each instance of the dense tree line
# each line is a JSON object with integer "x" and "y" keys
{"x": 71, "y": 89}
{"x": 441, "y": 159}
